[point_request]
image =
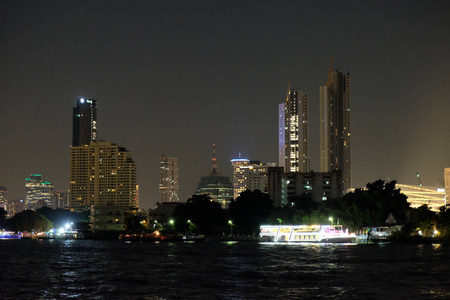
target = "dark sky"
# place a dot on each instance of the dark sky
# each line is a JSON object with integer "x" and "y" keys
{"x": 174, "y": 77}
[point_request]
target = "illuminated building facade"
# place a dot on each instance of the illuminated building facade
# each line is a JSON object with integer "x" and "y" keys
{"x": 38, "y": 192}
{"x": 418, "y": 195}
{"x": 217, "y": 186}
{"x": 102, "y": 174}
{"x": 447, "y": 185}
{"x": 293, "y": 132}
{"x": 84, "y": 122}
{"x": 4, "y": 198}
{"x": 249, "y": 175}
{"x": 168, "y": 179}
{"x": 335, "y": 126}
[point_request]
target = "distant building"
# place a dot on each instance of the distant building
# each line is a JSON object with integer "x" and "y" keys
{"x": 60, "y": 199}
{"x": 217, "y": 186}
{"x": 447, "y": 185}
{"x": 293, "y": 132}
{"x": 317, "y": 186}
{"x": 4, "y": 198}
{"x": 38, "y": 192}
{"x": 168, "y": 179}
{"x": 102, "y": 174}
{"x": 249, "y": 175}
{"x": 108, "y": 218}
{"x": 15, "y": 206}
{"x": 84, "y": 130}
{"x": 335, "y": 126}
{"x": 433, "y": 197}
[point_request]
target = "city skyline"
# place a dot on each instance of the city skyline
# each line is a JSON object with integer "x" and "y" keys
{"x": 176, "y": 77}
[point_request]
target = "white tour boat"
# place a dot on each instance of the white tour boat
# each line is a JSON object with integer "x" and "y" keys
{"x": 306, "y": 234}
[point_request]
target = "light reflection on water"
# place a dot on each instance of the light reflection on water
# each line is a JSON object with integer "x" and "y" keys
{"x": 221, "y": 270}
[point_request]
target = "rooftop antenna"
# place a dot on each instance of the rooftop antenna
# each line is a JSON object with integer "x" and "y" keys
{"x": 215, "y": 169}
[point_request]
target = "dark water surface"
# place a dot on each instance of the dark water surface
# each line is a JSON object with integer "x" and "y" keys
{"x": 84, "y": 269}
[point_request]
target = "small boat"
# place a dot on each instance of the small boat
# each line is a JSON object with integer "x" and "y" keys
{"x": 306, "y": 234}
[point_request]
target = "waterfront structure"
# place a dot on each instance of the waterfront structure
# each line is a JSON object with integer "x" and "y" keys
{"x": 249, "y": 175}
{"x": 335, "y": 130}
{"x": 293, "y": 132}
{"x": 84, "y": 130}
{"x": 102, "y": 174}
{"x": 38, "y": 192}
{"x": 318, "y": 186}
{"x": 433, "y": 197}
{"x": 215, "y": 185}
{"x": 4, "y": 198}
{"x": 447, "y": 185}
{"x": 168, "y": 179}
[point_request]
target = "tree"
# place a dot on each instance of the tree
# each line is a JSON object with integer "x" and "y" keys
{"x": 200, "y": 214}
{"x": 250, "y": 210}
{"x": 29, "y": 220}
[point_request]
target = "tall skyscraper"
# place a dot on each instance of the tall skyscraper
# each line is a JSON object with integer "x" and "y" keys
{"x": 293, "y": 133}
{"x": 4, "y": 198}
{"x": 102, "y": 174}
{"x": 239, "y": 179}
{"x": 84, "y": 122}
{"x": 168, "y": 179}
{"x": 335, "y": 126}
{"x": 217, "y": 186}
{"x": 39, "y": 192}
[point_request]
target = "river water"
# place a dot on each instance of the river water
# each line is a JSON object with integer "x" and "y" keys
{"x": 87, "y": 269}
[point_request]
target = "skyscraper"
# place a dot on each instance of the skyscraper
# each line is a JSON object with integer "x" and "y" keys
{"x": 447, "y": 185}
{"x": 39, "y": 192}
{"x": 293, "y": 133}
{"x": 102, "y": 174}
{"x": 217, "y": 186}
{"x": 84, "y": 130}
{"x": 335, "y": 126}
{"x": 168, "y": 179}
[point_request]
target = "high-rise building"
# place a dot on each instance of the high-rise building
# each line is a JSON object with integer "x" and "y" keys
{"x": 84, "y": 122}
{"x": 168, "y": 179}
{"x": 38, "y": 192}
{"x": 102, "y": 174}
{"x": 335, "y": 126}
{"x": 293, "y": 133}
{"x": 4, "y": 198}
{"x": 217, "y": 186}
{"x": 249, "y": 175}
{"x": 60, "y": 199}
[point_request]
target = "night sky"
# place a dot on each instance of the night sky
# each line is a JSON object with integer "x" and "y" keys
{"x": 174, "y": 77}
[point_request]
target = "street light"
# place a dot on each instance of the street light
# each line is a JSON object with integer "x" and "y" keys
{"x": 280, "y": 220}
{"x": 172, "y": 222}
{"x": 231, "y": 226}
{"x": 331, "y": 220}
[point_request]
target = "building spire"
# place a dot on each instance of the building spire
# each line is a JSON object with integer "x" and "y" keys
{"x": 215, "y": 169}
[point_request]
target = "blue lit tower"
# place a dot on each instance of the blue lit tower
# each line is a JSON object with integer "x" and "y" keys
{"x": 84, "y": 122}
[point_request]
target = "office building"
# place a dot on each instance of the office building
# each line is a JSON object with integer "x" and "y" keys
{"x": 335, "y": 130}
{"x": 293, "y": 132}
{"x": 84, "y": 130}
{"x": 249, "y": 175}
{"x": 60, "y": 199}
{"x": 318, "y": 186}
{"x": 38, "y": 192}
{"x": 4, "y": 198}
{"x": 168, "y": 179}
{"x": 418, "y": 195}
{"x": 217, "y": 186}
{"x": 102, "y": 174}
